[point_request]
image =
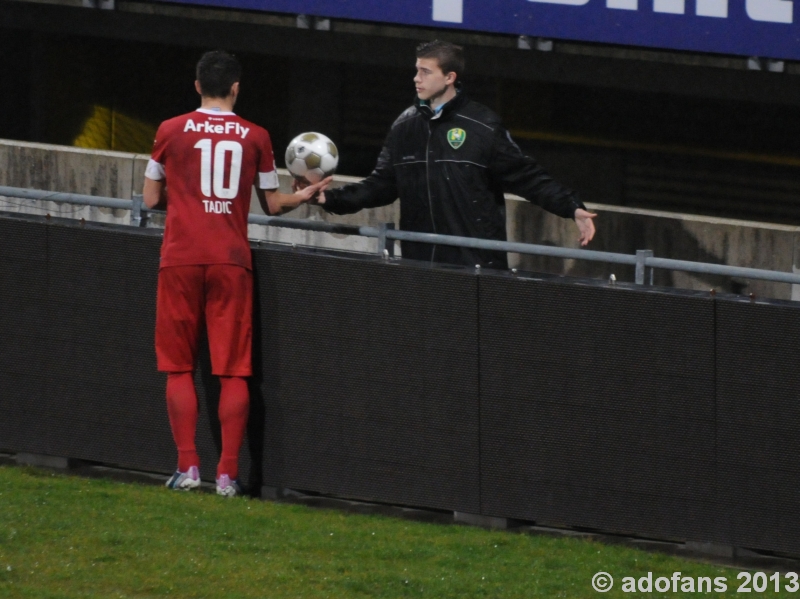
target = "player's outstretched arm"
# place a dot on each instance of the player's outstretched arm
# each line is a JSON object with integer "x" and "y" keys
{"x": 274, "y": 202}
{"x": 585, "y": 221}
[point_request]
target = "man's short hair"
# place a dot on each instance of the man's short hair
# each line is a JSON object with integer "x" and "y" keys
{"x": 217, "y": 71}
{"x": 449, "y": 56}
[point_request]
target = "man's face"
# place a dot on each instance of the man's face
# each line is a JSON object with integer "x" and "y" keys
{"x": 430, "y": 81}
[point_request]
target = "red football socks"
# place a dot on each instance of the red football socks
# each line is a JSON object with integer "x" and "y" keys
{"x": 234, "y": 404}
{"x": 182, "y": 408}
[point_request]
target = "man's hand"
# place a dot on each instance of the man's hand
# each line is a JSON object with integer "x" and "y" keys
{"x": 585, "y": 223}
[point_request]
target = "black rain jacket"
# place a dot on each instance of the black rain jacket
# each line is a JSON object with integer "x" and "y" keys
{"x": 450, "y": 171}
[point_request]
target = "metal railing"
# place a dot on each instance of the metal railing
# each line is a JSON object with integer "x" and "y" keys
{"x": 643, "y": 261}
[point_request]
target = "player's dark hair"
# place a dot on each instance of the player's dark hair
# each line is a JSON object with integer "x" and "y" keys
{"x": 449, "y": 56}
{"x": 217, "y": 71}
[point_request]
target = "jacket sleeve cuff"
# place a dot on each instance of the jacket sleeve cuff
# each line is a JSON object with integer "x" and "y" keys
{"x": 331, "y": 201}
{"x": 574, "y": 204}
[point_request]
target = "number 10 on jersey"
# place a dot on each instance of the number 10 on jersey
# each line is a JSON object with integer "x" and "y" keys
{"x": 212, "y": 168}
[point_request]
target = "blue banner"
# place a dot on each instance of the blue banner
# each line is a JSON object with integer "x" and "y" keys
{"x": 765, "y": 28}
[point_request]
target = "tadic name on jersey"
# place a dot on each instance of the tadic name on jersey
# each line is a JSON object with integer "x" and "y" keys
{"x": 217, "y": 207}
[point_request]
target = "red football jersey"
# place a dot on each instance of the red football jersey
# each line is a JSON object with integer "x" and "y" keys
{"x": 210, "y": 160}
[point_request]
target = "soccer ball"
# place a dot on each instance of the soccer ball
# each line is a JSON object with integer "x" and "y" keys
{"x": 311, "y": 156}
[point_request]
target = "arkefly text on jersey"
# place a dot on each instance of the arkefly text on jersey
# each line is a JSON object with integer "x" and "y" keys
{"x": 207, "y": 127}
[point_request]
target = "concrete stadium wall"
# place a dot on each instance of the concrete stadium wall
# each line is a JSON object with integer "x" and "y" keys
{"x": 624, "y": 230}
{"x": 120, "y": 175}
{"x": 678, "y": 236}
{"x": 65, "y": 169}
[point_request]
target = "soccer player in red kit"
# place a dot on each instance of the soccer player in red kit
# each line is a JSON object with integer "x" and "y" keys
{"x": 203, "y": 167}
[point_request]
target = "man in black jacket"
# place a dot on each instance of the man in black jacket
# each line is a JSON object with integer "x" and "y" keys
{"x": 450, "y": 160}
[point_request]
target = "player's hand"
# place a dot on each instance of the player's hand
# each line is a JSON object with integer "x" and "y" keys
{"x": 314, "y": 194}
{"x": 299, "y": 183}
{"x": 585, "y": 222}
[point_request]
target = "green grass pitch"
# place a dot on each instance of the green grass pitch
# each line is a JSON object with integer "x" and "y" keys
{"x": 68, "y": 537}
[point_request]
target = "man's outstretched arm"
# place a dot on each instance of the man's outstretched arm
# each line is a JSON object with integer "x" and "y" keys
{"x": 379, "y": 189}
{"x": 523, "y": 176}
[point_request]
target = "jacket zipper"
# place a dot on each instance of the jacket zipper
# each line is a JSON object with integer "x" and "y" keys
{"x": 428, "y": 184}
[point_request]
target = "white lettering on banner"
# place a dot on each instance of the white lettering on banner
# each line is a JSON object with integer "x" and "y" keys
{"x": 623, "y": 4}
{"x": 217, "y": 207}
{"x": 772, "y": 11}
{"x": 712, "y": 8}
{"x": 565, "y": 2}
{"x": 673, "y": 7}
{"x": 448, "y": 11}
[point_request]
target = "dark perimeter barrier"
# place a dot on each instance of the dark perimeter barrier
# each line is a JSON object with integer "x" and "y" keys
{"x": 597, "y": 407}
{"x": 621, "y": 408}
{"x": 369, "y": 374}
{"x": 758, "y": 406}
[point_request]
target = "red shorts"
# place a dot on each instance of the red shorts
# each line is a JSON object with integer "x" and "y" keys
{"x": 219, "y": 294}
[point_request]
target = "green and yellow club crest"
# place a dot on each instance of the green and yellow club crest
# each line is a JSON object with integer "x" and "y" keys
{"x": 456, "y": 138}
